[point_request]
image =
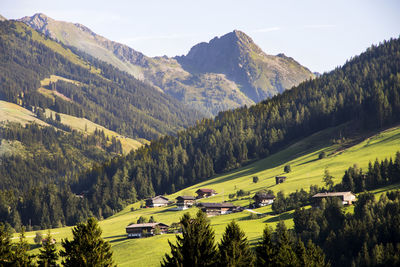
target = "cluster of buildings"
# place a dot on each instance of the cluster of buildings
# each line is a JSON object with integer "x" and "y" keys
{"x": 261, "y": 199}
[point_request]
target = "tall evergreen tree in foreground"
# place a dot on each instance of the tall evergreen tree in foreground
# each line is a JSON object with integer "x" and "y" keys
{"x": 20, "y": 256}
{"x": 280, "y": 249}
{"x": 196, "y": 247}
{"x": 234, "y": 249}
{"x": 48, "y": 253}
{"x": 87, "y": 248}
{"x": 5, "y": 245}
{"x": 266, "y": 250}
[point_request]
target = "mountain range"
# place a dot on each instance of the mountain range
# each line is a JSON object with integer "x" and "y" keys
{"x": 228, "y": 72}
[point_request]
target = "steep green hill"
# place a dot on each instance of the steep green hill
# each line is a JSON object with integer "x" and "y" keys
{"x": 100, "y": 93}
{"x": 306, "y": 170}
{"x": 234, "y": 72}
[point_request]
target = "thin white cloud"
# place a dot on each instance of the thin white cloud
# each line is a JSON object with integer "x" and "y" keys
{"x": 271, "y": 29}
{"x": 319, "y": 26}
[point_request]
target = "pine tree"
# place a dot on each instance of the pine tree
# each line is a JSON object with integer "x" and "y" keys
{"x": 315, "y": 255}
{"x": 266, "y": 250}
{"x": 5, "y": 245}
{"x": 87, "y": 248}
{"x": 285, "y": 255}
{"x": 234, "y": 249}
{"x": 21, "y": 256}
{"x": 48, "y": 253}
{"x": 196, "y": 245}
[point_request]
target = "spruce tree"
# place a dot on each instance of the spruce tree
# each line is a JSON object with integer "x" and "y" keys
{"x": 196, "y": 246}
{"x": 266, "y": 250}
{"x": 285, "y": 255}
{"x": 48, "y": 253}
{"x": 20, "y": 256}
{"x": 315, "y": 255}
{"x": 87, "y": 248}
{"x": 5, "y": 245}
{"x": 234, "y": 249}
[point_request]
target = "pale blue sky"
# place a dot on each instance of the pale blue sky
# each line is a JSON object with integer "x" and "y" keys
{"x": 319, "y": 34}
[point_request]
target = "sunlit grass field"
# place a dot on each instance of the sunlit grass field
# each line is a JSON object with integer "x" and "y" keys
{"x": 307, "y": 170}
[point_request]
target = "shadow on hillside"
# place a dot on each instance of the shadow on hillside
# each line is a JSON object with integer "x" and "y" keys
{"x": 312, "y": 160}
{"x": 118, "y": 239}
{"x": 280, "y": 217}
{"x": 114, "y": 236}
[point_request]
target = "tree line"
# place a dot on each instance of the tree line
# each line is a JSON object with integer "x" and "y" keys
{"x": 368, "y": 237}
{"x": 87, "y": 248}
{"x": 379, "y": 174}
{"x": 196, "y": 247}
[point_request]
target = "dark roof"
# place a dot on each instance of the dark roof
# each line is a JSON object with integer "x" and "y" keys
{"x": 145, "y": 225}
{"x": 217, "y": 205}
{"x": 284, "y": 177}
{"x": 205, "y": 190}
{"x": 264, "y": 196}
{"x": 186, "y": 198}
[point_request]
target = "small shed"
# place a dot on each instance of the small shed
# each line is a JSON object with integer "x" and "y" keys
{"x": 185, "y": 202}
{"x": 158, "y": 201}
{"x": 145, "y": 229}
{"x": 205, "y": 192}
{"x": 280, "y": 179}
{"x": 263, "y": 199}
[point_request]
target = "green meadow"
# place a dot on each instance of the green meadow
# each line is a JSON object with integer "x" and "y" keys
{"x": 307, "y": 170}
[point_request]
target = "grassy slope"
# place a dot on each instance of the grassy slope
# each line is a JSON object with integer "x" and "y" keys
{"x": 306, "y": 170}
{"x": 14, "y": 113}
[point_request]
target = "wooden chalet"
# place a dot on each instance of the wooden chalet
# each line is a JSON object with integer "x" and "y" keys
{"x": 212, "y": 209}
{"x": 347, "y": 198}
{"x": 185, "y": 202}
{"x": 263, "y": 199}
{"x": 204, "y": 192}
{"x": 145, "y": 229}
{"x": 158, "y": 201}
{"x": 280, "y": 179}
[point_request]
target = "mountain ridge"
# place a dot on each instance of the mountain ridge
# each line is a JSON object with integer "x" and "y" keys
{"x": 209, "y": 92}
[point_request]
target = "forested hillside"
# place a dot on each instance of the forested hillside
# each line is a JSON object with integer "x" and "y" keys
{"x": 101, "y": 93}
{"x": 364, "y": 94}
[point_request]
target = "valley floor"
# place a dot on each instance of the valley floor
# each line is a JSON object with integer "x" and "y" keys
{"x": 307, "y": 170}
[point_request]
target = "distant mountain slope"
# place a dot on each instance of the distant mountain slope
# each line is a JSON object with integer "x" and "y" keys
{"x": 241, "y": 60}
{"x": 100, "y": 92}
{"x": 2, "y": 18}
{"x": 245, "y": 75}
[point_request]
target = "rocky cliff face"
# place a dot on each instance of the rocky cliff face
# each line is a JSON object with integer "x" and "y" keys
{"x": 225, "y": 73}
{"x": 241, "y": 60}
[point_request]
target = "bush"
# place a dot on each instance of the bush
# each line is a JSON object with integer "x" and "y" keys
{"x": 255, "y": 179}
{"x": 287, "y": 168}
{"x": 322, "y": 155}
{"x": 38, "y": 238}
